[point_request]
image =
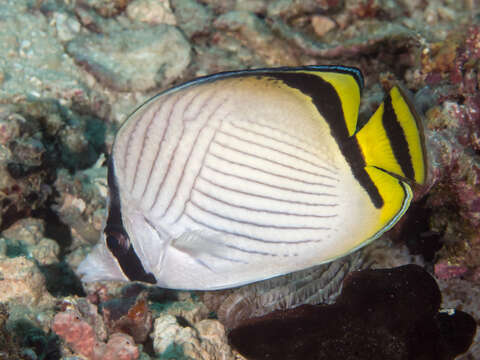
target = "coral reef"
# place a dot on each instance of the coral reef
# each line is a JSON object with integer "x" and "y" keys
{"x": 22, "y": 282}
{"x": 453, "y": 131}
{"x": 81, "y": 202}
{"x": 25, "y": 238}
{"x": 130, "y": 315}
{"x": 9, "y": 348}
{"x": 21, "y": 340}
{"x": 121, "y": 320}
{"x": 380, "y": 314}
{"x": 72, "y": 71}
{"x": 207, "y": 340}
{"x": 80, "y": 326}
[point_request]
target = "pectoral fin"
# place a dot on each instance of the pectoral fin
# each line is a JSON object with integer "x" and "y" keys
{"x": 209, "y": 250}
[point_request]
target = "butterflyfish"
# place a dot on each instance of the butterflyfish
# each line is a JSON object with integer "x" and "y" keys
{"x": 241, "y": 176}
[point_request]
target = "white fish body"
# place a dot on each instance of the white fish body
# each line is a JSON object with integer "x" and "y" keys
{"x": 238, "y": 178}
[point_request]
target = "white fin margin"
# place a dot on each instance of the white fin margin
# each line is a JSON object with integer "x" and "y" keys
{"x": 100, "y": 265}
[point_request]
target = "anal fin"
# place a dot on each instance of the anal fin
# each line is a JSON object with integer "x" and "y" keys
{"x": 397, "y": 195}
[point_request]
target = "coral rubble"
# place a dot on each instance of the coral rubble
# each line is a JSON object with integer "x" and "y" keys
{"x": 83, "y": 331}
{"x": 451, "y": 66}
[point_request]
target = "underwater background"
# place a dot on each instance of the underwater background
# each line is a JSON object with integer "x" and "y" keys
{"x": 71, "y": 71}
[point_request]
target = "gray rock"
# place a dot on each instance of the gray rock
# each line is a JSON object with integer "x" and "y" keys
{"x": 134, "y": 60}
{"x": 29, "y": 231}
{"x": 81, "y": 202}
{"x": 28, "y": 151}
{"x": 67, "y": 26}
{"x": 45, "y": 252}
{"x": 26, "y": 238}
{"x": 106, "y": 8}
{"x": 254, "y": 32}
{"x": 3, "y": 247}
{"x": 292, "y": 8}
{"x": 205, "y": 341}
{"x": 366, "y": 36}
{"x": 9, "y": 127}
{"x": 193, "y": 18}
{"x": 22, "y": 282}
{"x": 256, "y": 6}
{"x": 151, "y": 12}
{"x": 219, "y": 6}
{"x": 33, "y": 62}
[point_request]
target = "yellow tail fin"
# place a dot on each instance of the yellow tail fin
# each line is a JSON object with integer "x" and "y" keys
{"x": 392, "y": 140}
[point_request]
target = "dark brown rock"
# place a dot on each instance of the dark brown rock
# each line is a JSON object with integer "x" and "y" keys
{"x": 381, "y": 314}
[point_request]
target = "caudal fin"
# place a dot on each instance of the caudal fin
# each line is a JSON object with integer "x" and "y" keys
{"x": 392, "y": 140}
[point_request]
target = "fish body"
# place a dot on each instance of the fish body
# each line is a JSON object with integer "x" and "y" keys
{"x": 241, "y": 176}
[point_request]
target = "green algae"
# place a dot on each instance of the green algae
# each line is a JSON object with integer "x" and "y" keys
{"x": 173, "y": 351}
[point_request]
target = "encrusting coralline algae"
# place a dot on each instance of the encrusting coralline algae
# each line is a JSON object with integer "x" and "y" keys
{"x": 70, "y": 73}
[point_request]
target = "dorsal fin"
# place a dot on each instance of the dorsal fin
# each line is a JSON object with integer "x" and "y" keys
{"x": 392, "y": 139}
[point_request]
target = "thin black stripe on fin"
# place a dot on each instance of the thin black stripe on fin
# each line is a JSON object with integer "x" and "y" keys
{"x": 325, "y": 98}
{"x": 117, "y": 239}
{"x": 397, "y": 138}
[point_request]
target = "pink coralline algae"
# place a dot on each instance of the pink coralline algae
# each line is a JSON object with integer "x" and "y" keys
{"x": 83, "y": 339}
{"x": 119, "y": 347}
{"x": 446, "y": 271}
{"x": 77, "y": 333}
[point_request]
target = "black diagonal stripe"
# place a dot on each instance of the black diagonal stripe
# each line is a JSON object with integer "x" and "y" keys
{"x": 117, "y": 239}
{"x": 397, "y": 139}
{"x": 325, "y": 98}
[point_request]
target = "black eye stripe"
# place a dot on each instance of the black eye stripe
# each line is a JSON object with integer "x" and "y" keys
{"x": 117, "y": 242}
{"x": 117, "y": 239}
